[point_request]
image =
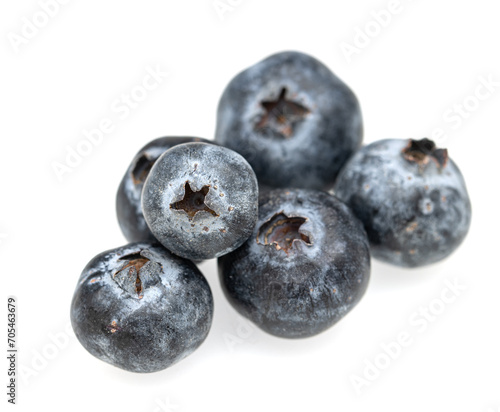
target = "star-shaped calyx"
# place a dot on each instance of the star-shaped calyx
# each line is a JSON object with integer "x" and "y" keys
{"x": 141, "y": 169}
{"x": 421, "y": 151}
{"x": 137, "y": 273}
{"x": 282, "y": 231}
{"x": 193, "y": 202}
{"x": 281, "y": 114}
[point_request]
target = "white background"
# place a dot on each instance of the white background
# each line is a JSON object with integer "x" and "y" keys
{"x": 411, "y": 77}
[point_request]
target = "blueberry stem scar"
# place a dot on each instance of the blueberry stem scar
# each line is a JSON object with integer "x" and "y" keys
{"x": 281, "y": 114}
{"x": 421, "y": 151}
{"x": 193, "y": 202}
{"x": 282, "y": 231}
{"x": 141, "y": 169}
{"x": 135, "y": 262}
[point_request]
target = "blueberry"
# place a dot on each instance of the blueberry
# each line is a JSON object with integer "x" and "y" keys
{"x": 293, "y": 120}
{"x": 411, "y": 199}
{"x": 306, "y": 265}
{"x": 140, "y": 308}
{"x": 200, "y": 200}
{"x": 128, "y": 197}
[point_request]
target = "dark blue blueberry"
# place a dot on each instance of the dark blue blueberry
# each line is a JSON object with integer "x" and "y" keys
{"x": 140, "y": 308}
{"x": 293, "y": 120}
{"x": 128, "y": 197}
{"x": 306, "y": 265}
{"x": 411, "y": 199}
{"x": 200, "y": 200}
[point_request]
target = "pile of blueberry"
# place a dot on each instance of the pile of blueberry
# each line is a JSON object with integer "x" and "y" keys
{"x": 286, "y": 199}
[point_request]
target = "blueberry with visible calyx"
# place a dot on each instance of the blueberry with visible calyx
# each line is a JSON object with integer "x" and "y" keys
{"x": 128, "y": 197}
{"x": 411, "y": 198}
{"x": 141, "y": 308}
{"x": 306, "y": 265}
{"x": 200, "y": 201}
{"x": 293, "y": 120}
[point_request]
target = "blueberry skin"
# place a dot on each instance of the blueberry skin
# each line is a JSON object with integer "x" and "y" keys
{"x": 318, "y": 143}
{"x": 302, "y": 292}
{"x": 144, "y": 332}
{"x": 414, "y": 214}
{"x": 128, "y": 197}
{"x": 226, "y": 212}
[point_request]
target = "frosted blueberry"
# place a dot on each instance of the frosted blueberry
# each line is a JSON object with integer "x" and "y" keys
{"x": 293, "y": 120}
{"x": 141, "y": 308}
{"x": 411, "y": 198}
{"x": 200, "y": 201}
